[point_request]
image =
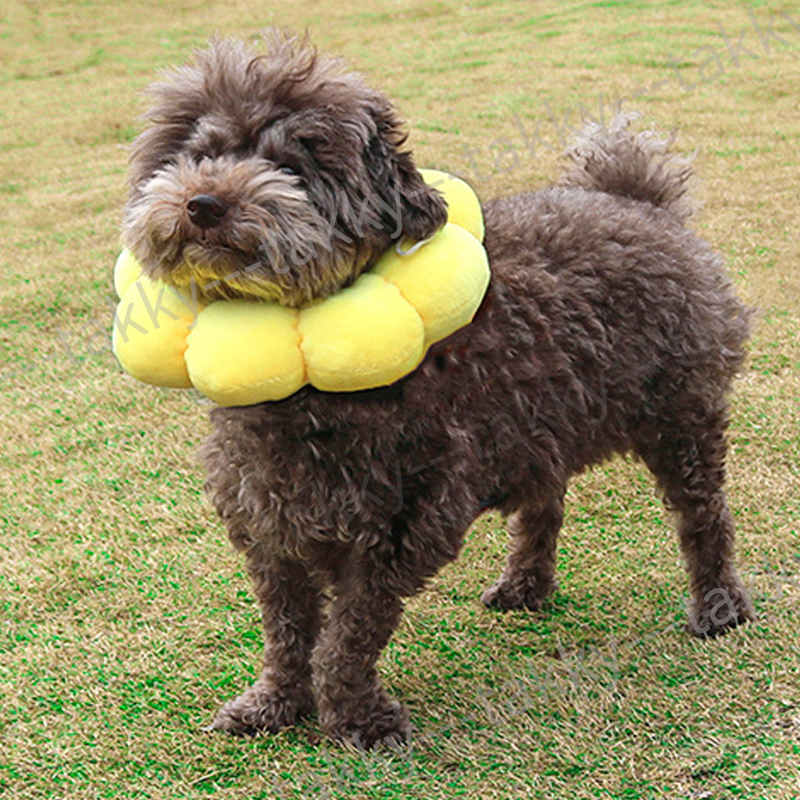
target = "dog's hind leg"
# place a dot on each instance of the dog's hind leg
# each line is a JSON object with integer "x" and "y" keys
{"x": 291, "y": 611}
{"x": 529, "y": 576}
{"x": 686, "y": 452}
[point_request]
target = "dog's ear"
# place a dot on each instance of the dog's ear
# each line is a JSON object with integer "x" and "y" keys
{"x": 395, "y": 178}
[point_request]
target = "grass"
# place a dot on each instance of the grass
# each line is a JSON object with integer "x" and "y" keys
{"x": 126, "y": 619}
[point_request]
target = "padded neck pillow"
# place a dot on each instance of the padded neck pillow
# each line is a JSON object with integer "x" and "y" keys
{"x": 371, "y": 334}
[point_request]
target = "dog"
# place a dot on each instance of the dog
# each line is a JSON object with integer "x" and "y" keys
{"x": 608, "y": 327}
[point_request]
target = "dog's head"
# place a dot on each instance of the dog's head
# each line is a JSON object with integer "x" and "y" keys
{"x": 277, "y": 175}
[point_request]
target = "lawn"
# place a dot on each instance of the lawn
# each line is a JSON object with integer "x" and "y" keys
{"x": 127, "y": 620}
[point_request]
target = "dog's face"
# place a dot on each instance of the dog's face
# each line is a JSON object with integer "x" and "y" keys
{"x": 277, "y": 175}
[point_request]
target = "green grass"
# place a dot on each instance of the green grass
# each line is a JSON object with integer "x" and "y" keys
{"x": 125, "y": 618}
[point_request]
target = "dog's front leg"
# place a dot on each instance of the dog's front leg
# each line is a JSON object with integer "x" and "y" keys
{"x": 351, "y": 702}
{"x": 290, "y": 611}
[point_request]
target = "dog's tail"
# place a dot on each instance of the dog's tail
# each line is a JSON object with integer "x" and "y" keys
{"x": 640, "y": 166}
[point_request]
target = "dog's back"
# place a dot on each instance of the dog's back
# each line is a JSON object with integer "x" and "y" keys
{"x": 635, "y": 309}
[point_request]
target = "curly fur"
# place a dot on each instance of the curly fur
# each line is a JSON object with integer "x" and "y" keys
{"x": 608, "y": 327}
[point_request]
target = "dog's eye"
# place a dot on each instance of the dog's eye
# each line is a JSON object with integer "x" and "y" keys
{"x": 287, "y": 170}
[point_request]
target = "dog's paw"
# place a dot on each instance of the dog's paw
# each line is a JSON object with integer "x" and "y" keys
{"x": 718, "y": 612}
{"x": 507, "y": 595}
{"x": 261, "y": 708}
{"x": 383, "y": 723}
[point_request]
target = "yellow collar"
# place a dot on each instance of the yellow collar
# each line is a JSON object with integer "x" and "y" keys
{"x": 371, "y": 334}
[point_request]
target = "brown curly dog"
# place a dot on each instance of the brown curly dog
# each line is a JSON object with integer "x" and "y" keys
{"x": 608, "y": 327}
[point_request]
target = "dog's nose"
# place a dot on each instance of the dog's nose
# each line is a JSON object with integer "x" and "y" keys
{"x": 206, "y": 210}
